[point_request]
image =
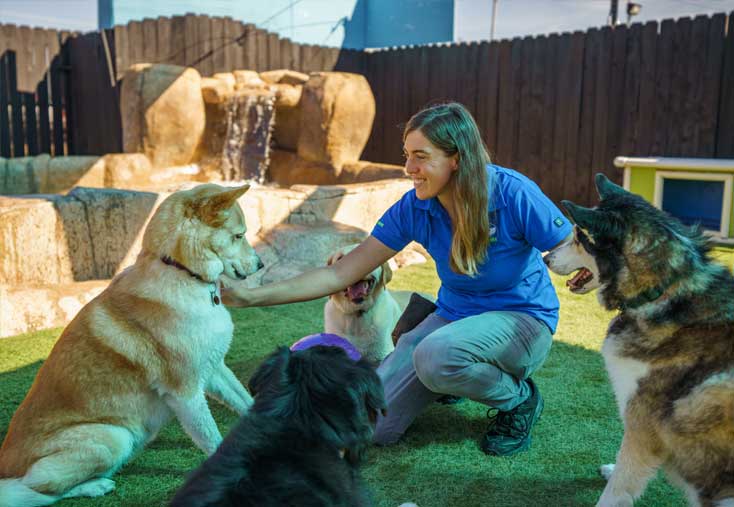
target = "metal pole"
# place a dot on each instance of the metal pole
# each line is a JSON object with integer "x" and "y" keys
{"x": 494, "y": 17}
{"x": 613, "y": 10}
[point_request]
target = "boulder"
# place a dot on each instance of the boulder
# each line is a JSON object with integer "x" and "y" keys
{"x": 337, "y": 111}
{"x": 33, "y": 243}
{"x": 287, "y": 168}
{"x": 126, "y": 170}
{"x": 17, "y": 176}
{"x": 215, "y": 91}
{"x": 284, "y": 76}
{"x": 247, "y": 79}
{"x": 287, "y": 115}
{"x": 363, "y": 171}
{"x": 24, "y": 309}
{"x": 227, "y": 78}
{"x": 65, "y": 173}
{"x": 311, "y": 244}
{"x": 100, "y": 227}
{"x": 162, "y": 113}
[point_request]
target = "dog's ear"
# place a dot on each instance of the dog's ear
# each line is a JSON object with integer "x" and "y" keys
{"x": 372, "y": 396}
{"x": 386, "y": 273}
{"x": 214, "y": 209}
{"x": 596, "y": 222}
{"x": 586, "y": 218}
{"x": 272, "y": 373}
{"x": 606, "y": 188}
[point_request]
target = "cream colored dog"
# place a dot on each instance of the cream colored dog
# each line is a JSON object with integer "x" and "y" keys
{"x": 365, "y": 313}
{"x": 149, "y": 347}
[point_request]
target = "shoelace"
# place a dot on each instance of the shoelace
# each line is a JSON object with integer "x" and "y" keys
{"x": 507, "y": 423}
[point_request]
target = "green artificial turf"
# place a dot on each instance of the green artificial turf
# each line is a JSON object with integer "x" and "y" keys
{"x": 438, "y": 463}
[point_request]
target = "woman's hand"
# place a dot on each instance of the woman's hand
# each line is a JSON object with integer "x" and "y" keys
{"x": 232, "y": 297}
{"x": 312, "y": 284}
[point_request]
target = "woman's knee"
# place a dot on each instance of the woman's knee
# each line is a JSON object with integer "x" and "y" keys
{"x": 431, "y": 360}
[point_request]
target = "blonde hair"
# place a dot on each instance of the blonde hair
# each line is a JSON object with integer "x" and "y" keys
{"x": 451, "y": 128}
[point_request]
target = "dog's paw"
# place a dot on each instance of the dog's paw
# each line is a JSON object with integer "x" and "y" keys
{"x": 93, "y": 488}
{"x": 606, "y": 470}
{"x": 411, "y": 504}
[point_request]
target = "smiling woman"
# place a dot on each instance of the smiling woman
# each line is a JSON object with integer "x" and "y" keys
{"x": 485, "y": 226}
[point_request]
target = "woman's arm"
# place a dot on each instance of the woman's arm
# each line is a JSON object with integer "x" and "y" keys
{"x": 316, "y": 283}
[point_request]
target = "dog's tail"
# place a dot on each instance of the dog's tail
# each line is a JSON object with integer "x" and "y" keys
{"x": 13, "y": 493}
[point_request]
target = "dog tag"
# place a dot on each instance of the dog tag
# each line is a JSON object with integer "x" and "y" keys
{"x": 215, "y": 297}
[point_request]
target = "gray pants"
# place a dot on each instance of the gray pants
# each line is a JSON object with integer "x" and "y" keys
{"x": 484, "y": 358}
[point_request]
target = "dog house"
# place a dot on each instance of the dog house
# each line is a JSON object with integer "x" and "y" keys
{"x": 694, "y": 190}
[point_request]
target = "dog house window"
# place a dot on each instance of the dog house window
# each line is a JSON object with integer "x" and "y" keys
{"x": 696, "y": 198}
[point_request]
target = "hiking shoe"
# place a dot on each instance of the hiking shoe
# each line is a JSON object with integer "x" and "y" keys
{"x": 509, "y": 432}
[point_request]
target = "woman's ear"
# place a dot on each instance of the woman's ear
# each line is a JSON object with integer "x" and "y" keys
{"x": 454, "y": 162}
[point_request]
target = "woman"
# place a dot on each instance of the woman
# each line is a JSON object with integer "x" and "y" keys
{"x": 485, "y": 227}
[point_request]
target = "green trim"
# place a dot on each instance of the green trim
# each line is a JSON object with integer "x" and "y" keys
{"x": 642, "y": 182}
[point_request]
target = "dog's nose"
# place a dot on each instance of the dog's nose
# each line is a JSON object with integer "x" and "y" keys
{"x": 260, "y": 264}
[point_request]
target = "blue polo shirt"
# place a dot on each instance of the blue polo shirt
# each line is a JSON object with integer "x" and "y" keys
{"x": 523, "y": 223}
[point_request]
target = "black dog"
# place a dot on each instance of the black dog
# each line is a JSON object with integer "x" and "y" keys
{"x": 303, "y": 440}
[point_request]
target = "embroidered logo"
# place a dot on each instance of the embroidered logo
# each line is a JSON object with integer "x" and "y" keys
{"x": 492, "y": 234}
{"x": 380, "y": 224}
{"x": 558, "y": 221}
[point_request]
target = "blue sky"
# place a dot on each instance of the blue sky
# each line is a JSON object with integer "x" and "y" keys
{"x": 514, "y": 17}
{"x": 531, "y": 17}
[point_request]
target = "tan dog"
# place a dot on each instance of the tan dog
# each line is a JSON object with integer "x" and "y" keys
{"x": 366, "y": 312}
{"x": 147, "y": 348}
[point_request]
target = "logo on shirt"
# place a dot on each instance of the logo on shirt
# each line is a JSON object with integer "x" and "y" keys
{"x": 380, "y": 224}
{"x": 558, "y": 222}
{"x": 492, "y": 234}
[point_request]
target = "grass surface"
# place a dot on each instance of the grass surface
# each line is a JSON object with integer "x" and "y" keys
{"x": 438, "y": 463}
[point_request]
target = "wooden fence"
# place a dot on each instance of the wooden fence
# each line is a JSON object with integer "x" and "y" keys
{"x": 558, "y": 108}
{"x": 64, "y": 86}
{"x": 561, "y": 107}
{"x": 33, "y": 84}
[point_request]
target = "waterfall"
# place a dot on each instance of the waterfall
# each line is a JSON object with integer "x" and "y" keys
{"x": 246, "y": 148}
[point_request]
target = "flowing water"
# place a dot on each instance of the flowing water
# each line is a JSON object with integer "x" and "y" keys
{"x": 246, "y": 150}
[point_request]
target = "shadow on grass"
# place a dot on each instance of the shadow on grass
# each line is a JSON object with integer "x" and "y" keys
{"x": 437, "y": 464}
{"x": 15, "y": 385}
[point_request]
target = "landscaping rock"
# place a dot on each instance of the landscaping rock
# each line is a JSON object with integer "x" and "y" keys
{"x": 247, "y": 79}
{"x": 284, "y": 76}
{"x": 26, "y": 308}
{"x": 162, "y": 113}
{"x": 337, "y": 111}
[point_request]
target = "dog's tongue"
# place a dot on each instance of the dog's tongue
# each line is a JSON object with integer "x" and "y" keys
{"x": 579, "y": 279}
{"x": 358, "y": 290}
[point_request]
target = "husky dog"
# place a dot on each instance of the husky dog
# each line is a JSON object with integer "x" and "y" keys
{"x": 366, "y": 312}
{"x": 147, "y": 348}
{"x": 670, "y": 350}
